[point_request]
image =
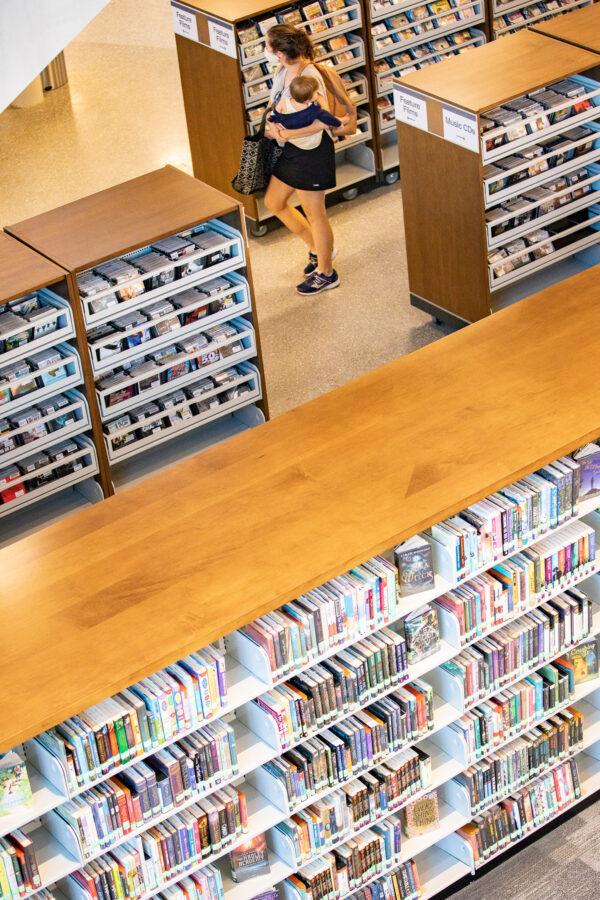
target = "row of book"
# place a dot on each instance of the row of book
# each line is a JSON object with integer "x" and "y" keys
{"x": 508, "y": 769}
{"x": 487, "y": 665}
{"x": 348, "y": 748}
{"x": 121, "y": 279}
{"x": 508, "y": 520}
{"x": 522, "y": 812}
{"x": 516, "y": 586}
{"x": 318, "y": 697}
{"x": 19, "y": 874}
{"x": 141, "y": 718}
{"x": 421, "y": 19}
{"x": 528, "y": 15}
{"x": 401, "y": 884}
{"x": 513, "y": 711}
{"x": 338, "y": 611}
{"x": 181, "y": 842}
{"x": 372, "y": 796}
{"x": 188, "y": 768}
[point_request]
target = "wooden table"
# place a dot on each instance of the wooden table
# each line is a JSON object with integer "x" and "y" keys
{"x": 581, "y": 28}
{"x": 111, "y": 594}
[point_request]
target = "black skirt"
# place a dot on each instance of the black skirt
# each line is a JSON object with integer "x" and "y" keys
{"x": 308, "y": 170}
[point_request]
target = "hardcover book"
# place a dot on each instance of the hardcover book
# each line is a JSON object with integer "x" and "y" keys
{"x": 422, "y": 633}
{"x": 15, "y": 790}
{"x": 589, "y": 467}
{"x": 415, "y": 566}
{"x": 250, "y": 860}
{"x": 421, "y": 816}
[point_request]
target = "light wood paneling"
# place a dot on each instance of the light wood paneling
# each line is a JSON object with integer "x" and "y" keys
{"x": 581, "y": 28}
{"x": 23, "y": 270}
{"x": 101, "y": 599}
{"x": 500, "y": 71}
{"x": 122, "y": 218}
{"x": 444, "y": 223}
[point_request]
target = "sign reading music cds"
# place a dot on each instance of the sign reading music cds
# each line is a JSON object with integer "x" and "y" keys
{"x": 411, "y": 107}
{"x": 460, "y": 127}
{"x": 203, "y": 29}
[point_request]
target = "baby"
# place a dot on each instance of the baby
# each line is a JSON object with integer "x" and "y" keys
{"x": 301, "y": 110}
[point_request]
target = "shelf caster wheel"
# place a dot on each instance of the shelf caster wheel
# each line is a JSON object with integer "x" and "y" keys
{"x": 392, "y": 177}
{"x": 257, "y": 229}
{"x": 350, "y": 193}
{"x": 438, "y": 322}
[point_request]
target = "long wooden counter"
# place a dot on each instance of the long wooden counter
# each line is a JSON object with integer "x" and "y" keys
{"x": 111, "y": 594}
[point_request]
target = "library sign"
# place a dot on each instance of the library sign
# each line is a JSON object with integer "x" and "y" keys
{"x": 203, "y": 29}
{"x": 448, "y": 122}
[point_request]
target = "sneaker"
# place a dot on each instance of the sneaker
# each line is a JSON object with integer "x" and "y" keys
{"x": 313, "y": 261}
{"x": 317, "y": 282}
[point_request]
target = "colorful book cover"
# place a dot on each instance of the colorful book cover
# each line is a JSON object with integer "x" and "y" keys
{"x": 250, "y": 860}
{"x": 589, "y": 467}
{"x": 415, "y": 566}
{"x": 15, "y": 790}
{"x": 585, "y": 661}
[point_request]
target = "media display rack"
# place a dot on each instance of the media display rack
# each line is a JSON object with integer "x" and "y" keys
{"x": 581, "y": 28}
{"x": 407, "y": 36}
{"x": 521, "y": 209}
{"x": 48, "y": 461}
{"x": 290, "y": 486}
{"x": 228, "y": 38}
{"x": 510, "y": 17}
{"x": 168, "y": 312}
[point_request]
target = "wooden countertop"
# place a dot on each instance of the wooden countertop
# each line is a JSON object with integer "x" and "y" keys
{"x": 581, "y": 28}
{"x": 234, "y": 10}
{"x": 499, "y": 71}
{"x": 23, "y": 270}
{"x": 87, "y": 231}
{"x": 108, "y": 595}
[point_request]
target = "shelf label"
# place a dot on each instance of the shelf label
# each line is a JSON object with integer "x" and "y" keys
{"x": 222, "y": 37}
{"x": 184, "y": 21}
{"x": 411, "y": 107}
{"x": 460, "y": 127}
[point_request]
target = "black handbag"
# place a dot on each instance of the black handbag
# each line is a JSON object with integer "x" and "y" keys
{"x": 259, "y": 155}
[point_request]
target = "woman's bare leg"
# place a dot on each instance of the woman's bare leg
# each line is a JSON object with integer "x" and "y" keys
{"x": 276, "y": 200}
{"x": 313, "y": 204}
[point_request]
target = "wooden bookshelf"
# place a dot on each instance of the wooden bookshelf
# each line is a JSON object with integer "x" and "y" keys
{"x": 307, "y": 488}
{"x": 124, "y": 221}
{"x": 216, "y": 129}
{"x": 447, "y": 213}
{"x": 23, "y": 272}
{"x": 580, "y": 28}
{"x": 321, "y": 489}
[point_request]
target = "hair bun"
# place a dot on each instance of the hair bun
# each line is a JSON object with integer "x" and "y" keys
{"x": 294, "y": 43}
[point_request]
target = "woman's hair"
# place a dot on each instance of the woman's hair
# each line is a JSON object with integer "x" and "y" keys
{"x": 293, "y": 42}
{"x": 302, "y": 88}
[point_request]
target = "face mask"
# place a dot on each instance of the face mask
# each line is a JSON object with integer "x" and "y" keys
{"x": 272, "y": 58}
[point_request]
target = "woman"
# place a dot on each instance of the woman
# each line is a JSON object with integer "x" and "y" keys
{"x": 307, "y": 172}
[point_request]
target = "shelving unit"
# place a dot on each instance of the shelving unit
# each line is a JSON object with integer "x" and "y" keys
{"x": 513, "y": 195}
{"x": 512, "y": 16}
{"x": 274, "y": 481}
{"x": 43, "y": 399}
{"x": 172, "y": 340}
{"x": 224, "y": 39}
{"x": 580, "y": 28}
{"x": 407, "y": 36}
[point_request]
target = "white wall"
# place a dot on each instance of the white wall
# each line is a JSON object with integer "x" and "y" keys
{"x": 32, "y": 32}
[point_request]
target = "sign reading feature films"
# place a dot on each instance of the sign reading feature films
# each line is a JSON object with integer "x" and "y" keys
{"x": 203, "y": 29}
{"x": 411, "y": 107}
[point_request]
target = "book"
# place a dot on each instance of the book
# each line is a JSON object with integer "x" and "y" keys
{"x": 585, "y": 661}
{"x": 422, "y": 815}
{"x": 415, "y": 566}
{"x": 250, "y": 860}
{"x": 422, "y": 632}
{"x": 588, "y": 458}
{"x": 15, "y": 789}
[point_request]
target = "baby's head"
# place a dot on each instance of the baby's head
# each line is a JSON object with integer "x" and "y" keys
{"x": 303, "y": 88}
